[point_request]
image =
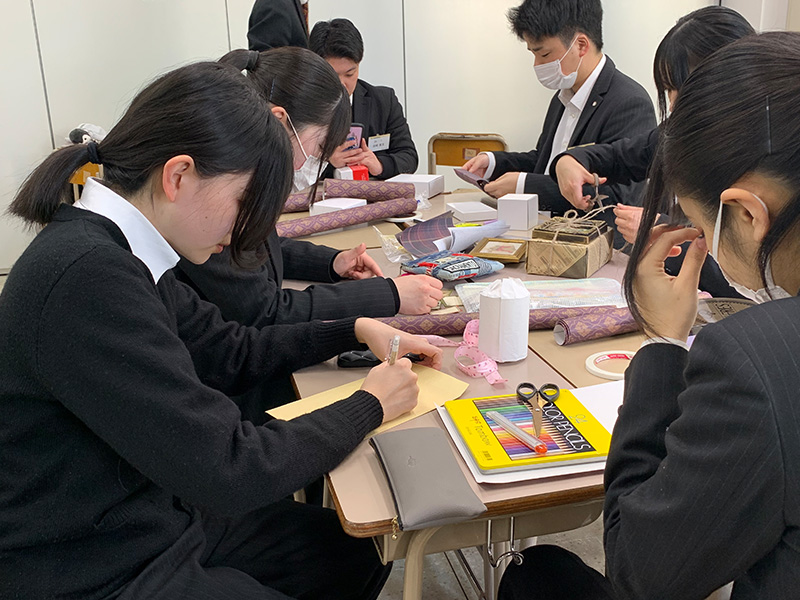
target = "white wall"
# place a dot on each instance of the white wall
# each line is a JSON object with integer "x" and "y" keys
{"x": 454, "y": 63}
{"x": 764, "y": 15}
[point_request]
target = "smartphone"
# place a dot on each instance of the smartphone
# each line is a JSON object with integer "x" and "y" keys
{"x": 354, "y": 137}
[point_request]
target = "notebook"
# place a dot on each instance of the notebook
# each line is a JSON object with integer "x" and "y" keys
{"x": 572, "y": 434}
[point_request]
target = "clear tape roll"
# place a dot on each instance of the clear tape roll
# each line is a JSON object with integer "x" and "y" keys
{"x": 595, "y": 359}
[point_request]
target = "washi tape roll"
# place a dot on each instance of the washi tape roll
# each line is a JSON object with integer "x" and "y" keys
{"x": 593, "y": 362}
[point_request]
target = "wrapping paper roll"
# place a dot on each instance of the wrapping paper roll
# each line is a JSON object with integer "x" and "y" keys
{"x": 454, "y": 323}
{"x": 371, "y": 191}
{"x": 348, "y": 216}
{"x": 600, "y": 324}
{"x": 298, "y": 201}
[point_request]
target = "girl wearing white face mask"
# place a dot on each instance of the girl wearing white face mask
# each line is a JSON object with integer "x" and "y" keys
{"x": 703, "y": 476}
{"x": 306, "y": 96}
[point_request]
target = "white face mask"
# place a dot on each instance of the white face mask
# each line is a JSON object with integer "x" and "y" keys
{"x": 306, "y": 175}
{"x": 772, "y": 291}
{"x": 550, "y": 75}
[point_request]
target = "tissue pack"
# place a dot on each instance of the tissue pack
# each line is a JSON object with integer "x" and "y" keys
{"x": 564, "y": 248}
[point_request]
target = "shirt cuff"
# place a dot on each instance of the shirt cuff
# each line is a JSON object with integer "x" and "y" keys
{"x": 666, "y": 340}
{"x": 492, "y": 165}
{"x": 521, "y": 183}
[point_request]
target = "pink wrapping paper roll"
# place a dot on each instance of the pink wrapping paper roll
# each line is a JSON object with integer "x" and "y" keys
{"x": 602, "y": 323}
{"x": 454, "y": 323}
{"x": 371, "y": 191}
{"x": 348, "y": 216}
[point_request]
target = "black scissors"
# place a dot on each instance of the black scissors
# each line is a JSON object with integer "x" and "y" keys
{"x": 528, "y": 393}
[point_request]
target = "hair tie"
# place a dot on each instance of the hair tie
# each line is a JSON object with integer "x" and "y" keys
{"x": 94, "y": 153}
{"x": 252, "y": 60}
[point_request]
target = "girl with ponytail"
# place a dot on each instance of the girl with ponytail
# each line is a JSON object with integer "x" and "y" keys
{"x": 127, "y": 470}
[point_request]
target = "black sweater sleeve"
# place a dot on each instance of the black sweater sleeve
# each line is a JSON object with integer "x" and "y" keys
{"x": 401, "y": 157}
{"x": 694, "y": 479}
{"x": 108, "y": 351}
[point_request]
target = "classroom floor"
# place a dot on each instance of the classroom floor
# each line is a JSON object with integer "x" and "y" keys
{"x": 444, "y": 579}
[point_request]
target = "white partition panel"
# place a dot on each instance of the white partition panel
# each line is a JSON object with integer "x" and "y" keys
{"x": 380, "y": 23}
{"x": 238, "y": 15}
{"x": 114, "y": 47}
{"x": 23, "y": 120}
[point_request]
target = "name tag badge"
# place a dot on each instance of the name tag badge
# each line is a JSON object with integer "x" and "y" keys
{"x": 379, "y": 142}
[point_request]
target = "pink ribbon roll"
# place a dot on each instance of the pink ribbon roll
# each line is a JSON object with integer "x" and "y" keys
{"x": 454, "y": 324}
{"x": 371, "y": 191}
{"x": 348, "y": 216}
{"x": 481, "y": 365}
{"x": 600, "y": 324}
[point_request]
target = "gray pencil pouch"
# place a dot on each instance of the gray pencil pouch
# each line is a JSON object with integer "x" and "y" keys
{"x": 428, "y": 486}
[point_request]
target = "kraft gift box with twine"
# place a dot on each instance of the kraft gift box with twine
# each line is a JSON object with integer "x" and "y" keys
{"x": 570, "y": 246}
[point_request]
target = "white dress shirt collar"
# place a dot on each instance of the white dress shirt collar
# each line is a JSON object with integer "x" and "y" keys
{"x": 146, "y": 243}
{"x": 578, "y": 99}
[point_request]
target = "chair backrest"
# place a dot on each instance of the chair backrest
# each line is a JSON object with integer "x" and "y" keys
{"x": 454, "y": 149}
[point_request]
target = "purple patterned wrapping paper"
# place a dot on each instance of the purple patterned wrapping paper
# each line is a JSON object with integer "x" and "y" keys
{"x": 371, "y": 191}
{"x": 298, "y": 201}
{"x": 592, "y": 326}
{"x": 348, "y": 216}
{"x": 454, "y": 323}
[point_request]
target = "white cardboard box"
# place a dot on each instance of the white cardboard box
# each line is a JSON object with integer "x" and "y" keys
{"x": 334, "y": 204}
{"x": 423, "y": 184}
{"x": 520, "y": 211}
{"x": 472, "y": 211}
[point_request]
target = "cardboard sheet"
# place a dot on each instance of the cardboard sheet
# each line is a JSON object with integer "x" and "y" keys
{"x": 435, "y": 388}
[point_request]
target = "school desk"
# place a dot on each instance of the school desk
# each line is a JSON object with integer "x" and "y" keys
{"x": 361, "y": 494}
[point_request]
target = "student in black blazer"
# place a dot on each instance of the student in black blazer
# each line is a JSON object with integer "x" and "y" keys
{"x": 127, "y": 471}
{"x": 703, "y": 476}
{"x": 277, "y": 23}
{"x": 375, "y": 107}
{"x": 597, "y": 103}
{"x": 690, "y": 41}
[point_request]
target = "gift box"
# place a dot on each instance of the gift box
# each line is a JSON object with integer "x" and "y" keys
{"x": 425, "y": 185}
{"x": 333, "y": 204}
{"x": 353, "y": 173}
{"x": 569, "y": 247}
{"x": 520, "y": 211}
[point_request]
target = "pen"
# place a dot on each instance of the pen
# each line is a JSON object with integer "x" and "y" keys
{"x": 531, "y": 441}
{"x": 394, "y": 347}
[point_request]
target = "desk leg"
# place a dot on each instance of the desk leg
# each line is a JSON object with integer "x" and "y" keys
{"x": 415, "y": 555}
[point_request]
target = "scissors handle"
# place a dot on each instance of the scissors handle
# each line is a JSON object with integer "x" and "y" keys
{"x": 549, "y": 392}
{"x": 527, "y": 391}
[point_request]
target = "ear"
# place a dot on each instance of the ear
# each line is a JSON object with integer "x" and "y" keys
{"x": 583, "y": 44}
{"x": 175, "y": 175}
{"x": 748, "y": 211}
{"x": 280, "y": 113}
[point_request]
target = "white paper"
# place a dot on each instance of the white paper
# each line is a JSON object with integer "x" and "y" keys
{"x": 466, "y": 237}
{"x": 503, "y": 330}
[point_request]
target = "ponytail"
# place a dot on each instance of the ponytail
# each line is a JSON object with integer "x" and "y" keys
{"x": 48, "y": 186}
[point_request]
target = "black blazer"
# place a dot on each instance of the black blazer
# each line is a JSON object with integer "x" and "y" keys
{"x": 379, "y": 111}
{"x": 617, "y": 108}
{"x": 703, "y": 477}
{"x": 276, "y": 23}
{"x": 255, "y": 298}
{"x": 622, "y": 161}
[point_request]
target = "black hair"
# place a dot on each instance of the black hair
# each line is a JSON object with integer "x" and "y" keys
{"x": 337, "y": 38}
{"x": 205, "y": 110}
{"x": 304, "y": 85}
{"x": 540, "y": 19}
{"x": 736, "y": 114}
{"x": 693, "y": 38}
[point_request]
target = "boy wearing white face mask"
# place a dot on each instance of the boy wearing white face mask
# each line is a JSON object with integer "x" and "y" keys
{"x": 594, "y": 103}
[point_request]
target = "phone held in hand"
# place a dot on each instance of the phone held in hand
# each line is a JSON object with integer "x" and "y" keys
{"x": 354, "y": 137}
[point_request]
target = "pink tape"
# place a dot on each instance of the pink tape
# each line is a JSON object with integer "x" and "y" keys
{"x": 482, "y": 365}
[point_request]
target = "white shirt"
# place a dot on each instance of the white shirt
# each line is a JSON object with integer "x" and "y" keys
{"x": 574, "y": 103}
{"x": 146, "y": 243}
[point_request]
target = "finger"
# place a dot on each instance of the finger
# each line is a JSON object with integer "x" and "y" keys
{"x": 575, "y": 194}
{"x": 433, "y": 282}
{"x": 662, "y": 247}
{"x": 689, "y": 276}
